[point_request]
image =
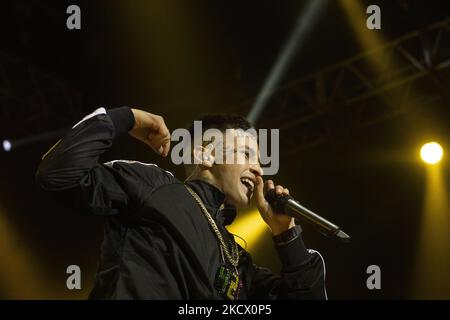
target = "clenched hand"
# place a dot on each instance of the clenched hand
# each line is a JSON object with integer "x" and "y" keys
{"x": 151, "y": 129}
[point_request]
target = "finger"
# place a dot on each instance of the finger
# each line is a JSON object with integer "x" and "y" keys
{"x": 154, "y": 143}
{"x": 279, "y": 189}
{"x": 161, "y": 129}
{"x": 268, "y": 185}
{"x": 259, "y": 195}
{"x": 161, "y": 144}
{"x": 166, "y": 148}
{"x": 164, "y": 143}
{"x": 160, "y": 136}
{"x": 153, "y": 146}
{"x": 286, "y": 191}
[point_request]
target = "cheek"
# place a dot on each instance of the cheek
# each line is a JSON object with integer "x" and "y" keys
{"x": 232, "y": 184}
{"x": 232, "y": 173}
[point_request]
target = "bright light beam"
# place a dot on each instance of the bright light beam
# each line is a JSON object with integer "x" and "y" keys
{"x": 21, "y": 276}
{"x": 9, "y": 145}
{"x": 305, "y": 22}
{"x": 430, "y": 278}
{"x": 250, "y": 227}
{"x": 369, "y": 39}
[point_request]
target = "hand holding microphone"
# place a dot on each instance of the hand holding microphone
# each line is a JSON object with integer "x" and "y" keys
{"x": 281, "y": 204}
{"x": 277, "y": 221}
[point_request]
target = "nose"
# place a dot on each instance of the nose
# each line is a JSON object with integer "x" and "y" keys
{"x": 256, "y": 169}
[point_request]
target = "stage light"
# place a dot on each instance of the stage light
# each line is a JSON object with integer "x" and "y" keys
{"x": 249, "y": 226}
{"x": 6, "y": 145}
{"x": 431, "y": 152}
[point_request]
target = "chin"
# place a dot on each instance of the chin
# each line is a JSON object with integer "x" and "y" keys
{"x": 244, "y": 202}
{"x": 239, "y": 202}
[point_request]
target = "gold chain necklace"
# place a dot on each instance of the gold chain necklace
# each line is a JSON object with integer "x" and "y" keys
{"x": 233, "y": 258}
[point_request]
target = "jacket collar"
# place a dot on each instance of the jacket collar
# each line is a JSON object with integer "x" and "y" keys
{"x": 213, "y": 199}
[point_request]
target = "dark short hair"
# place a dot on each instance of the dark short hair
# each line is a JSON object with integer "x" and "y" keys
{"x": 218, "y": 121}
{"x": 221, "y": 122}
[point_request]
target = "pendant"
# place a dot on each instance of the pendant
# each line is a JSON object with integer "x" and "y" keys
{"x": 227, "y": 283}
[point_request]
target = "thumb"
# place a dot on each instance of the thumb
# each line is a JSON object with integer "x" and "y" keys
{"x": 259, "y": 196}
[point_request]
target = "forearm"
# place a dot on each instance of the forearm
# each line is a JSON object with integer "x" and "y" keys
{"x": 78, "y": 151}
{"x": 303, "y": 271}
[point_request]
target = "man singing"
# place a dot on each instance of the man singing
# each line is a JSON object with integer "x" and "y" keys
{"x": 165, "y": 238}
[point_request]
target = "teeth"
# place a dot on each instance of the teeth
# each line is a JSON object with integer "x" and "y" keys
{"x": 248, "y": 181}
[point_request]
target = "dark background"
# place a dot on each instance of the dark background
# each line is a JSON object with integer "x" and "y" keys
{"x": 182, "y": 58}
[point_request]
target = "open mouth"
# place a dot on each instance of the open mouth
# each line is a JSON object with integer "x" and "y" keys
{"x": 248, "y": 184}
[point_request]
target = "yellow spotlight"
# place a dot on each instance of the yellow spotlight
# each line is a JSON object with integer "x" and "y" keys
{"x": 431, "y": 152}
{"x": 250, "y": 226}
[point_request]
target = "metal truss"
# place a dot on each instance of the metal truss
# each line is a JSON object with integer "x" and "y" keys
{"x": 358, "y": 92}
{"x": 313, "y": 109}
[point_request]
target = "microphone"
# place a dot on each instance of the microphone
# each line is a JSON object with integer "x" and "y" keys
{"x": 287, "y": 205}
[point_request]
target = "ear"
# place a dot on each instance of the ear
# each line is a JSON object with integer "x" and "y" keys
{"x": 204, "y": 155}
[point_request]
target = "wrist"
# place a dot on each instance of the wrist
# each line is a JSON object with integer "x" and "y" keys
{"x": 277, "y": 230}
{"x": 288, "y": 235}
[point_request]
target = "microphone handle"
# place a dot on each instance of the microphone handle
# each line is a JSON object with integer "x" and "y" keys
{"x": 296, "y": 210}
{"x": 287, "y": 205}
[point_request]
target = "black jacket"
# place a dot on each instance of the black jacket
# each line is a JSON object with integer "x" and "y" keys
{"x": 157, "y": 242}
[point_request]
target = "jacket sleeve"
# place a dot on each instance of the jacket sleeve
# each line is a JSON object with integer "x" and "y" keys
{"x": 302, "y": 275}
{"x": 72, "y": 170}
